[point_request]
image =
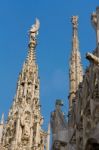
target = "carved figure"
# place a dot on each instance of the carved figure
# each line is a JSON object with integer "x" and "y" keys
{"x": 57, "y": 118}
{"x": 75, "y": 21}
{"x": 25, "y": 122}
{"x": 34, "y": 29}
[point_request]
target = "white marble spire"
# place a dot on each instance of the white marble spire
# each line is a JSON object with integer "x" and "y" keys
{"x": 76, "y": 71}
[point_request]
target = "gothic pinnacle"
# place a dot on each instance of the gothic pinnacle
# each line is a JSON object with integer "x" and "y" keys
{"x": 33, "y": 32}
{"x": 76, "y": 71}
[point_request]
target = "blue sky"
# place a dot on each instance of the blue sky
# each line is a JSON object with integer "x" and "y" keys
{"x": 53, "y": 50}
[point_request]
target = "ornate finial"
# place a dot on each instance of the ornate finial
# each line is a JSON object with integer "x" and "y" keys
{"x": 75, "y": 21}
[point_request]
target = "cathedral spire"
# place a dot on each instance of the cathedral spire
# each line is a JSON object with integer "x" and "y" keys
{"x": 76, "y": 71}
{"x": 33, "y": 32}
{"x": 23, "y": 128}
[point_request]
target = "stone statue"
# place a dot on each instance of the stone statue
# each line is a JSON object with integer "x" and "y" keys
{"x": 57, "y": 118}
{"x": 25, "y": 122}
{"x": 75, "y": 21}
{"x": 34, "y": 29}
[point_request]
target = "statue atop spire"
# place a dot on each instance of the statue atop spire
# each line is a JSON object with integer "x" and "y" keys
{"x": 35, "y": 27}
{"x": 75, "y": 42}
{"x": 34, "y": 30}
{"x": 75, "y": 21}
